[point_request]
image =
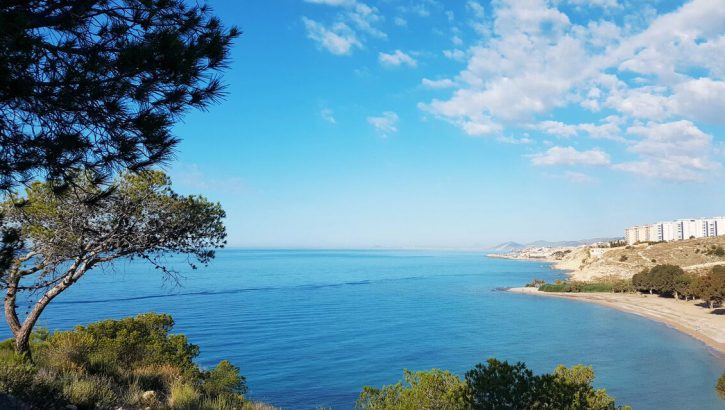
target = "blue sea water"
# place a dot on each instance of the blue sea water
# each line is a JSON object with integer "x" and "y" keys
{"x": 310, "y": 328}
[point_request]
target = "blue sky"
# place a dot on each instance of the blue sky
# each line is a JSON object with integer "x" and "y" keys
{"x": 460, "y": 124}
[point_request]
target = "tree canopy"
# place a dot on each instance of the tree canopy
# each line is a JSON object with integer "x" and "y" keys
{"x": 111, "y": 363}
{"x": 491, "y": 385}
{"x": 68, "y": 234}
{"x": 97, "y": 84}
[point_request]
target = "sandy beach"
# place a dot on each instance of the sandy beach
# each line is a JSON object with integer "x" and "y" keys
{"x": 686, "y": 317}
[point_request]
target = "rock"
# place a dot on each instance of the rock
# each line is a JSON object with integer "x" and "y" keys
{"x": 70, "y": 407}
{"x": 148, "y": 396}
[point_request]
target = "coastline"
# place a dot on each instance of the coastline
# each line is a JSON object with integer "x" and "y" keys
{"x": 685, "y": 317}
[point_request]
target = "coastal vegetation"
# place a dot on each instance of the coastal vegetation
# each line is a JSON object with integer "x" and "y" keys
{"x": 611, "y": 284}
{"x": 133, "y": 362}
{"x": 720, "y": 387}
{"x": 672, "y": 281}
{"x": 489, "y": 386}
{"x": 664, "y": 280}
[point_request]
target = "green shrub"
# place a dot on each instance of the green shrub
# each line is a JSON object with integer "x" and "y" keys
{"x": 227, "y": 402}
{"x": 143, "y": 340}
{"x": 16, "y": 373}
{"x": 577, "y": 287}
{"x": 67, "y": 351}
{"x": 89, "y": 392}
{"x": 435, "y": 389}
{"x": 156, "y": 377}
{"x": 114, "y": 362}
{"x": 535, "y": 283}
{"x": 622, "y": 285}
{"x": 553, "y": 287}
{"x": 184, "y": 396}
{"x": 500, "y": 385}
{"x": 720, "y": 386}
{"x": 224, "y": 380}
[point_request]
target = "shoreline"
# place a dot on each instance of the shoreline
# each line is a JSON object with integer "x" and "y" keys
{"x": 685, "y": 317}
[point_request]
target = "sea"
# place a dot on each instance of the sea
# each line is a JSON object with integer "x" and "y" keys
{"x": 310, "y": 328}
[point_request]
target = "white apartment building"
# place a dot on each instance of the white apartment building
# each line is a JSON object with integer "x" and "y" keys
{"x": 676, "y": 230}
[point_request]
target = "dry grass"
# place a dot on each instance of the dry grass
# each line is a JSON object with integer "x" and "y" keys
{"x": 690, "y": 254}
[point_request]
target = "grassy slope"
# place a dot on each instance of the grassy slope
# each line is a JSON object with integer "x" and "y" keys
{"x": 682, "y": 253}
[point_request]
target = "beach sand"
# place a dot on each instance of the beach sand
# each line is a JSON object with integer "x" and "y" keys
{"x": 686, "y": 317}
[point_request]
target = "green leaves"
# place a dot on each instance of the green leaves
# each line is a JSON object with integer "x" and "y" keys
{"x": 139, "y": 216}
{"x": 97, "y": 85}
{"x": 493, "y": 385}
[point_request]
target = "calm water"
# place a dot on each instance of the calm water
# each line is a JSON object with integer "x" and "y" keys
{"x": 310, "y": 328}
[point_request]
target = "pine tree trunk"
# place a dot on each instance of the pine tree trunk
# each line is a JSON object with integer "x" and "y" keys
{"x": 22, "y": 342}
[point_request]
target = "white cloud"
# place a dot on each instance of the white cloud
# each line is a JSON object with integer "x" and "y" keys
{"x": 455, "y": 54}
{"x": 608, "y": 128}
{"x": 396, "y": 59}
{"x": 532, "y": 63}
{"x": 338, "y": 39}
{"x": 353, "y": 22}
{"x": 385, "y": 124}
{"x": 328, "y": 115}
{"x": 476, "y": 8}
{"x": 514, "y": 140}
{"x": 677, "y": 151}
{"x": 595, "y": 3}
{"x": 558, "y": 129}
{"x": 400, "y": 22}
{"x": 438, "y": 84}
{"x": 570, "y": 156}
{"x": 702, "y": 99}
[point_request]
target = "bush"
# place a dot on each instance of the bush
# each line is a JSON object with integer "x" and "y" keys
{"x": 184, "y": 396}
{"x": 224, "y": 380}
{"x": 535, "y": 283}
{"x": 112, "y": 363}
{"x": 434, "y": 389}
{"x": 577, "y": 287}
{"x": 156, "y": 377}
{"x": 500, "y": 385}
{"x": 67, "y": 351}
{"x": 89, "y": 392}
{"x": 222, "y": 403}
{"x": 16, "y": 373}
{"x": 720, "y": 386}
{"x": 491, "y": 386}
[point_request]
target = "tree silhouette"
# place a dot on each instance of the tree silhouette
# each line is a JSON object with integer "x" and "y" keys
{"x": 97, "y": 84}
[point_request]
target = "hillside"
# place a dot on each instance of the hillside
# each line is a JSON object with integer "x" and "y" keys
{"x": 586, "y": 263}
{"x": 515, "y": 246}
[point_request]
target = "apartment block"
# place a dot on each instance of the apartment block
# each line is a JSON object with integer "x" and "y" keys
{"x": 676, "y": 230}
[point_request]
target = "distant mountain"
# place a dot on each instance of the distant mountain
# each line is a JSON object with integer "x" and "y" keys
{"x": 514, "y": 246}
{"x": 508, "y": 247}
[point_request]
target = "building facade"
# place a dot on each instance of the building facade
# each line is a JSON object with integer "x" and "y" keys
{"x": 676, "y": 230}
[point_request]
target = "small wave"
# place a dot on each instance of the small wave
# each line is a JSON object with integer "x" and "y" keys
{"x": 234, "y": 291}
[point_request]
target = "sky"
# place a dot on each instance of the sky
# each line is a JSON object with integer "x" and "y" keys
{"x": 460, "y": 124}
